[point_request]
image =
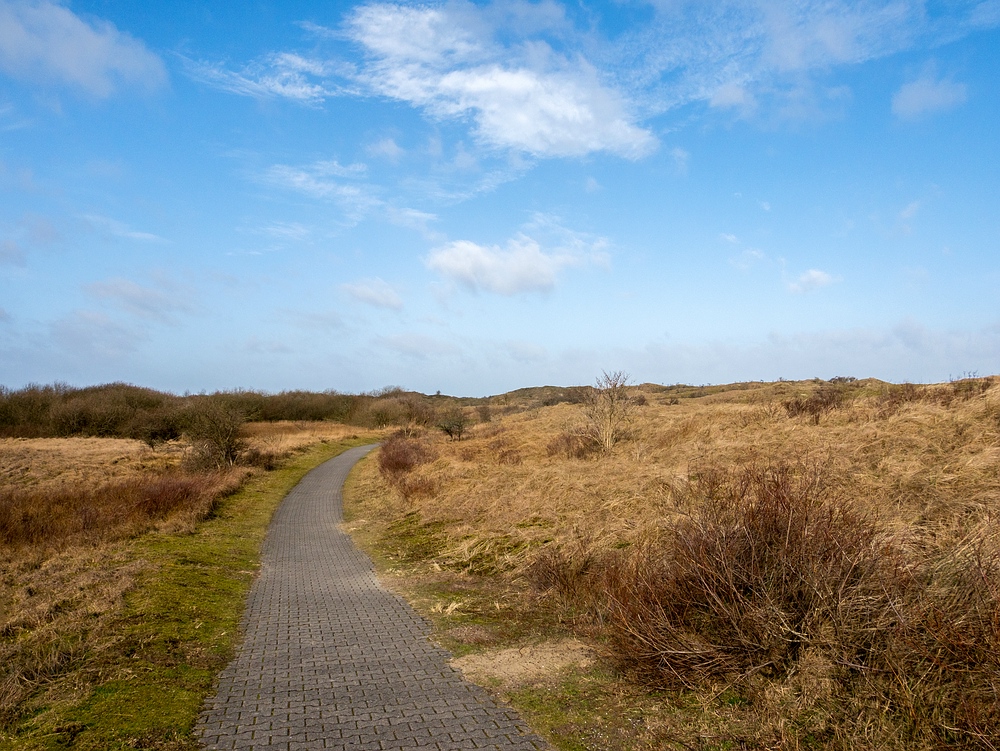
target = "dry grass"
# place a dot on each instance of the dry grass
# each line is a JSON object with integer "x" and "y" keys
{"x": 69, "y": 509}
{"x": 64, "y": 506}
{"x": 887, "y": 494}
{"x": 52, "y": 610}
{"x": 54, "y": 462}
{"x": 285, "y": 436}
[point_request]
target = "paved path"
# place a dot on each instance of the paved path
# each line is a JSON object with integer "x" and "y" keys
{"x": 332, "y": 660}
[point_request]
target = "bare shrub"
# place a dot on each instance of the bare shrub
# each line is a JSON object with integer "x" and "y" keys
{"x": 971, "y": 386}
{"x": 609, "y": 408}
{"x": 262, "y": 458}
{"x": 399, "y": 456}
{"x": 894, "y": 396}
{"x": 761, "y": 570}
{"x": 215, "y": 425}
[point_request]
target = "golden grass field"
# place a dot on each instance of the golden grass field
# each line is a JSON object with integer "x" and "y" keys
{"x": 764, "y": 565}
{"x": 900, "y": 483}
{"x": 922, "y": 466}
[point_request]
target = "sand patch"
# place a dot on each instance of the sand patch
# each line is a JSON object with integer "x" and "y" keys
{"x": 521, "y": 665}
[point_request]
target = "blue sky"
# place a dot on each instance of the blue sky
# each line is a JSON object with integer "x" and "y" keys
{"x": 477, "y": 197}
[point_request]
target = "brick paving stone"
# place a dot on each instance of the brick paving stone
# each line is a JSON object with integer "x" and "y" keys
{"x": 332, "y": 660}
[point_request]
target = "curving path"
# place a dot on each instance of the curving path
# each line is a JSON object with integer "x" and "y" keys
{"x": 331, "y": 660}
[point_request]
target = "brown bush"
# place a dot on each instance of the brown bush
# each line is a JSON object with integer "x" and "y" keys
{"x": 942, "y": 669}
{"x": 894, "y": 396}
{"x": 399, "y": 455}
{"x": 54, "y": 515}
{"x": 759, "y": 571}
{"x": 566, "y": 570}
{"x": 764, "y": 576}
{"x": 827, "y": 397}
{"x": 971, "y": 386}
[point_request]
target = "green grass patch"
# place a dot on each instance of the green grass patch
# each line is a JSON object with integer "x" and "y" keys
{"x": 143, "y": 679}
{"x": 408, "y": 540}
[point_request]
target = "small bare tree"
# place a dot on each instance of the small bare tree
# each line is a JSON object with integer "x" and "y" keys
{"x": 609, "y": 408}
{"x": 216, "y": 428}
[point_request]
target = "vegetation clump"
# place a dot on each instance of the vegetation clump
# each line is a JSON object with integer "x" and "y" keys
{"x": 760, "y": 571}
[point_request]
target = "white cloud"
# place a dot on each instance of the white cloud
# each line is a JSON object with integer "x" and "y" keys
{"x": 374, "y": 292}
{"x": 810, "y": 280}
{"x": 772, "y": 57}
{"x": 525, "y": 352}
{"x": 143, "y": 302}
{"x": 734, "y": 96}
{"x": 524, "y": 96}
{"x": 280, "y": 75}
{"x": 318, "y": 181}
{"x": 287, "y": 231}
{"x": 114, "y": 228}
{"x": 387, "y": 148}
{"x": 910, "y": 211}
{"x": 45, "y": 41}
{"x": 681, "y": 158}
{"x": 927, "y": 95}
{"x": 523, "y": 265}
{"x": 417, "y": 220}
{"x": 5, "y": 317}
{"x": 10, "y": 119}
{"x": 529, "y": 262}
{"x": 259, "y": 346}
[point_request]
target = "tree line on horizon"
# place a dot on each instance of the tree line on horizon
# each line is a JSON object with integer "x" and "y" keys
{"x": 122, "y": 410}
